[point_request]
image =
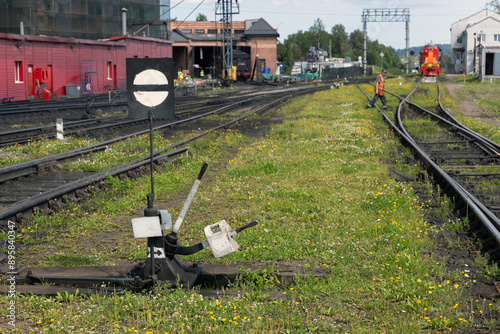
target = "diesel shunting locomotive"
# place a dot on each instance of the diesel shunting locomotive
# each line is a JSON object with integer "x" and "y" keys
{"x": 430, "y": 60}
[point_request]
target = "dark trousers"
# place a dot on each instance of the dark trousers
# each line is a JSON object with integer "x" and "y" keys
{"x": 376, "y": 97}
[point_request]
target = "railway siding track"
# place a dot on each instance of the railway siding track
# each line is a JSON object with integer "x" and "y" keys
{"x": 446, "y": 149}
{"x": 110, "y": 126}
{"x": 76, "y": 185}
{"x": 44, "y": 186}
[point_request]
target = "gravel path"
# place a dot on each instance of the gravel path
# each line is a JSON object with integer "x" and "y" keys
{"x": 468, "y": 107}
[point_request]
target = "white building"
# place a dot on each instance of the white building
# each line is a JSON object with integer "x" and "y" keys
{"x": 475, "y": 44}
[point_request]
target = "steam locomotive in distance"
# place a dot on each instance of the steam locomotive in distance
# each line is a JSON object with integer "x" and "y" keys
{"x": 316, "y": 54}
{"x": 243, "y": 64}
{"x": 430, "y": 60}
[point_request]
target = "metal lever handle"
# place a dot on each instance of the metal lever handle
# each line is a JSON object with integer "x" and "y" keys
{"x": 203, "y": 170}
{"x": 181, "y": 250}
{"x": 187, "y": 204}
{"x": 241, "y": 228}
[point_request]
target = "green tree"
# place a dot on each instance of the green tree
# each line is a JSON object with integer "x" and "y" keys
{"x": 372, "y": 53}
{"x": 295, "y": 51}
{"x": 285, "y": 56}
{"x": 445, "y": 59}
{"x": 201, "y": 17}
{"x": 318, "y": 36}
{"x": 355, "y": 44}
{"x": 389, "y": 60}
{"x": 297, "y": 44}
{"x": 339, "y": 40}
{"x": 495, "y": 5}
{"x": 342, "y": 45}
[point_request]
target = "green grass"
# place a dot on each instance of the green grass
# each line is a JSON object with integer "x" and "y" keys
{"x": 320, "y": 191}
{"x": 485, "y": 94}
{"x": 15, "y": 154}
{"x": 116, "y": 154}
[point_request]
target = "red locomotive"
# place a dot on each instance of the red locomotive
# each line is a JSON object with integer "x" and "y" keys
{"x": 430, "y": 57}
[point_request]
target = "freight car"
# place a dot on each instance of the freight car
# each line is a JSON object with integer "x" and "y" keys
{"x": 430, "y": 60}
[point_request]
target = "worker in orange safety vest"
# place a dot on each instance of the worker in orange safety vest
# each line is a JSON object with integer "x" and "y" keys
{"x": 379, "y": 90}
{"x": 180, "y": 75}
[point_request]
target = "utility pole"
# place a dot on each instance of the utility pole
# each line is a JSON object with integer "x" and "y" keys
{"x": 226, "y": 10}
{"x": 330, "y": 49}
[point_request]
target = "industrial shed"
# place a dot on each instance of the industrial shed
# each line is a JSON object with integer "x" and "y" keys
{"x": 36, "y": 67}
{"x": 198, "y": 44}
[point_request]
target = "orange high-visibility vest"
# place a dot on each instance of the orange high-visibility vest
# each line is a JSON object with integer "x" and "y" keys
{"x": 380, "y": 85}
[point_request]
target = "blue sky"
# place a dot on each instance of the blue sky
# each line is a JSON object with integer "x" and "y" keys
{"x": 430, "y": 21}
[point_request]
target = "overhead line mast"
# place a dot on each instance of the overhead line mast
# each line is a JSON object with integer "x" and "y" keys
{"x": 226, "y": 9}
{"x": 386, "y": 15}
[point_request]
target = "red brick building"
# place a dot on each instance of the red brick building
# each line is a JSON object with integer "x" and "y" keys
{"x": 30, "y": 65}
{"x": 198, "y": 45}
{"x": 41, "y": 66}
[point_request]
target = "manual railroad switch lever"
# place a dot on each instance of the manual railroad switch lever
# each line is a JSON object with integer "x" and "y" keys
{"x": 163, "y": 262}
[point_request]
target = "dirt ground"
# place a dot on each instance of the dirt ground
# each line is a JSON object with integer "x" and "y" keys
{"x": 468, "y": 107}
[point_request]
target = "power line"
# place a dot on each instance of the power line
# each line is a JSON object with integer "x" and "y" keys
{"x": 168, "y": 10}
{"x": 147, "y": 25}
{"x": 202, "y": 1}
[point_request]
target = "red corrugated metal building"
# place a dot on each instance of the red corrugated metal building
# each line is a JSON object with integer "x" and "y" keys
{"x": 38, "y": 66}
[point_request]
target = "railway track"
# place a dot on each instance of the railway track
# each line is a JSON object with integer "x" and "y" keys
{"x": 42, "y": 177}
{"x": 35, "y": 113}
{"x": 463, "y": 163}
{"x": 43, "y": 114}
{"x": 107, "y": 127}
{"x": 26, "y": 114}
{"x": 31, "y": 179}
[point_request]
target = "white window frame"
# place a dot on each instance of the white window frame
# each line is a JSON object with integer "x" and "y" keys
{"x": 110, "y": 70}
{"x": 19, "y": 74}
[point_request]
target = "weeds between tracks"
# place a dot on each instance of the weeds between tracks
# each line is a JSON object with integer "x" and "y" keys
{"x": 322, "y": 196}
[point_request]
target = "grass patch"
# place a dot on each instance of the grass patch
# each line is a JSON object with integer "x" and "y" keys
{"x": 486, "y": 96}
{"x": 484, "y": 93}
{"x": 15, "y": 154}
{"x": 323, "y": 199}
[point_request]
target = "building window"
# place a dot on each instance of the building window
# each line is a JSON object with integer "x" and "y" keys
{"x": 497, "y": 37}
{"x": 47, "y": 5}
{"x": 239, "y": 31}
{"x": 116, "y": 10}
{"x": 481, "y": 38}
{"x": 212, "y": 31}
{"x": 19, "y": 72}
{"x": 139, "y": 13}
{"x": 187, "y": 31}
{"x": 459, "y": 39}
{"x": 199, "y": 31}
{"x": 95, "y": 8}
{"x": 110, "y": 70}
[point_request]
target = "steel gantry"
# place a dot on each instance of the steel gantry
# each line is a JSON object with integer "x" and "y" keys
{"x": 386, "y": 15}
{"x": 226, "y": 9}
